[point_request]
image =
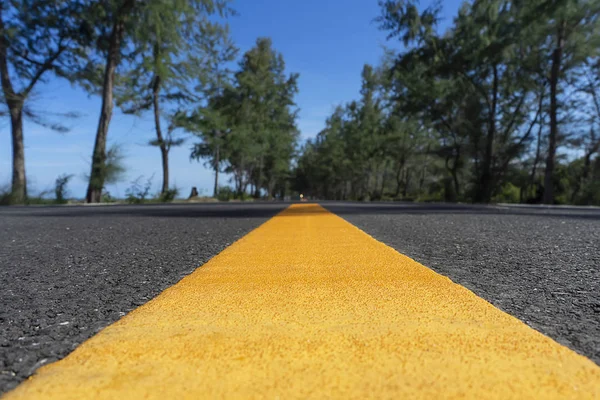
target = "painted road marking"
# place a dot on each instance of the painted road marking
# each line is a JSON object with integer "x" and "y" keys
{"x": 309, "y": 306}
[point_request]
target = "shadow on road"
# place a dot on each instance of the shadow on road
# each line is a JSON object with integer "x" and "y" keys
{"x": 460, "y": 209}
{"x": 266, "y": 210}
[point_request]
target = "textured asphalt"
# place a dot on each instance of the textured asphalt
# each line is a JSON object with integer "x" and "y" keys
{"x": 67, "y": 272}
{"x": 541, "y": 265}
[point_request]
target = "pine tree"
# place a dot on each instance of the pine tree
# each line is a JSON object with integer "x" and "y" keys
{"x": 36, "y": 39}
{"x": 179, "y": 61}
{"x": 250, "y": 126}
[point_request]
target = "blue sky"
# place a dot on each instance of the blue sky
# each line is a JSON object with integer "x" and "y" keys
{"x": 326, "y": 41}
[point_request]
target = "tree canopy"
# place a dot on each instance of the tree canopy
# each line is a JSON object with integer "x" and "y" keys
{"x": 502, "y": 105}
{"x": 475, "y": 113}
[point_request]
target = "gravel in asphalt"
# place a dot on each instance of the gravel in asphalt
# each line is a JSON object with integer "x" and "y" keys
{"x": 309, "y": 306}
{"x": 542, "y": 265}
{"x": 67, "y": 272}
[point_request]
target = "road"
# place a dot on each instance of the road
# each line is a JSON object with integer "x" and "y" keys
{"x": 68, "y": 272}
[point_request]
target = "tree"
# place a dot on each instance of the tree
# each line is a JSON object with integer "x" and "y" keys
{"x": 323, "y": 168}
{"x": 109, "y": 25}
{"x": 212, "y": 125}
{"x": 115, "y": 28}
{"x": 587, "y": 84}
{"x": 493, "y": 53}
{"x": 179, "y": 59}
{"x": 461, "y": 115}
{"x": 250, "y": 125}
{"x": 36, "y": 38}
{"x": 474, "y": 84}
{"x": 570, "y": 35}
{"x": 265, "y": 101}
{"x": 60, "y": 188}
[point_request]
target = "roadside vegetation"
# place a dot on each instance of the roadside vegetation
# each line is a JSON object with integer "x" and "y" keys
{"x": 503, "y": 105}
{"x": 500, "y": 107}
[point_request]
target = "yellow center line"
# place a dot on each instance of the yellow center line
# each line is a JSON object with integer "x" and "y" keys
{"x": 309, "y": 306}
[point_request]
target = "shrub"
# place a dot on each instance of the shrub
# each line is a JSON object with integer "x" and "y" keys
{"x": 509, "y": 193}
{"x": 60, "y": 188}
{"x": 169, "y": 195}
{"x": 245, "y": 197}
{"x": 107, "y": 197}
{"x": 5, "y": 195}
{"x": 225, "y": 193}
{"x": 138, "y": 193}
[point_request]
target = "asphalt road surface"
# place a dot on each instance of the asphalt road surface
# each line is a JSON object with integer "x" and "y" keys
{"x": 67, "y": 272}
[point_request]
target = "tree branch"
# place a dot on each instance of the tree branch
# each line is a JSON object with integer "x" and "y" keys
{"x": 46, "y": 66}
{"x": 7, "y": 87}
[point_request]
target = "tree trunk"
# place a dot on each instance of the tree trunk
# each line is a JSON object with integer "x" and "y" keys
{"x": 398, "y": 181}
{"x": 548, "y": 197}
{"x": 455, "y": 173}
{"x": 238, "y": 183}
{"x": 369, "y": 179}
{"x": 383, "y": 177}
{"x": 241, "y": 183}
{"x": 422, "y": 180}
{"x": 538, "y": 150}
{"x": 216, "y": 167}
{"x": 164, "y": 150}
{"x": 98, "y": 171}
{"x": 258, "y": 185}
{"x": 406, "y": 183}
{"x": 270, "y": 189}
{"x": 14, "y": 102}
{"x": 19, "y": 184}
{"x": 587, "y": 163}
{"x": 484, "y": 193}
{"x": 399, "y": 176}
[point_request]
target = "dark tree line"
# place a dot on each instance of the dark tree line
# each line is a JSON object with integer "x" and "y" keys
{"x": 247, "y": 128}
{"x": 167, "y": 58}
{"x": 503, "y": 106}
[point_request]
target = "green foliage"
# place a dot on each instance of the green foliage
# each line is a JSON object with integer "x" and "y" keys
{"x": 248, "y": 128}
{"x": 483, "y": 111}
{"x": 367, "y": 150}
{"x": 226, "y": 193}
{"x": 180, "y": 49}
{"x": 40, "y": 38}
{"x": 5, "y": 195}
{"x": 590, "y": 194}
{"x": 60, "y": 188}
{"x": 107, "y": 197}
{"x": 113, "y": 169}
{"x": 138, "y": 192}
{"x": 179, "y": 58}
{"x": 37, "y": 38}
{"x": 39, "y": 201}
{"x": 454, "y": 116}
{"x": 169, "y": 195}
{"x": 114, "y": 166}
{"x": 509, "y": 193}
